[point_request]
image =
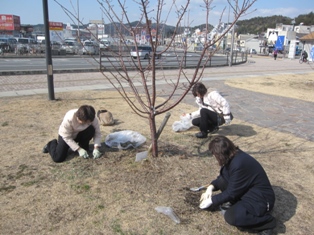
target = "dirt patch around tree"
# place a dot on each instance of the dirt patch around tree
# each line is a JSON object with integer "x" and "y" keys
{"x": 116, "y": 195}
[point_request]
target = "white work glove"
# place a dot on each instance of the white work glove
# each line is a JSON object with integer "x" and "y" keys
{"x": 227, "y": 119}
{"x": 208, "y": 193}
{"x": 96, "y": 153}
{"x": 206, "y": 203}
{"x": 83, "y": 153}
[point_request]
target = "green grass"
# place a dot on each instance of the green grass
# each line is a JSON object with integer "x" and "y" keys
{"x": 5, "y": 124}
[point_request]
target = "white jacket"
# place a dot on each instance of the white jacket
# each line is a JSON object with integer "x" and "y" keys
{"x": 214, "y": 102}
{"x": 70, "y": 127}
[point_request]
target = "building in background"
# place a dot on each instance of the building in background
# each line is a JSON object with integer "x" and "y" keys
{"x": 10, "y": 25}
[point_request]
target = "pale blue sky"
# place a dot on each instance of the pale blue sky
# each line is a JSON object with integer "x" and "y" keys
{"x": 31, "y": 11}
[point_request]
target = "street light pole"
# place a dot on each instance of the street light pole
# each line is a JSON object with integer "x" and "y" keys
{"x": 48, "y": 52}
{"x": 78, "y": 20}
{"x": 232, "y": 46}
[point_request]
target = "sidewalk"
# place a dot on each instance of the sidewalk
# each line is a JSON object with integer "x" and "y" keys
{"x": 19, "y": 85}
{"x": 275, "y": 112}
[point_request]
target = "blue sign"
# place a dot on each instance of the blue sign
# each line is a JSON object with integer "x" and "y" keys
{"x": 280, "y": 43}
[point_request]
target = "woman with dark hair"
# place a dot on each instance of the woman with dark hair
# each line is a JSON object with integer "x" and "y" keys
{"x": 244, "y": 186}
{"x": 78, "y": 127}
{"x": 211, "y": 106}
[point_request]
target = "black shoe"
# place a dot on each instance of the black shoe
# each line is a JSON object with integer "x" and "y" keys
{"x": 226, "y": 205}
{"x": 259, "y": 232}
{"x": 266, "y": 232}
{"x": 201, "y": 134}
{"x": 45, "y": 149}
{"x": 214, "y": 130}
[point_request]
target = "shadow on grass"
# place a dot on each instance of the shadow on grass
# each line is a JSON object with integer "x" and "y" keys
{"x": 236, "y": 130}
{"x": 226, "y": 130}
{"x": 284, "y": 209}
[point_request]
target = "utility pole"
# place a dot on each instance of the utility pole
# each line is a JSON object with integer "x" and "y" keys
{"x": 48, "y": 52}
{"x": 78, "y": 21}
{"x": 232, "y": 47}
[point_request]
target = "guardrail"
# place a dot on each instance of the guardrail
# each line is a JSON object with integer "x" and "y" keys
{"x": 177, "y": 59}
{"x": 172, "y": 62}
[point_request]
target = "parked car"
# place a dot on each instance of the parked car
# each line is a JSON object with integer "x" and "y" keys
{"x": 103, "y": 43}
{"x": 90, "y": 48}
{"x": 253, "y": 51}
{"x": 8, "y": 44}
{"x": 27, "y": 45}
{"x": 298, "y": 52}
{"x": 227, "y": 50}
{"x": 55, "y": 47}
{"x": 71, "y": 47}
{"x": 143, "y": 52}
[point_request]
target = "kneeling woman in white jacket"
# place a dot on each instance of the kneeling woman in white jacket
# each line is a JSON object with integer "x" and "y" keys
{"x": 214, "y": 110}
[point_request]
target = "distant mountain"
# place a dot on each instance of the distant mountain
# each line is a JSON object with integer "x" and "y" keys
{"x": 258, "y": 25}
{"x": 254, "y": 25}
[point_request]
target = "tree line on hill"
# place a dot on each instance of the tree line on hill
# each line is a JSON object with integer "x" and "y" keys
{"x": 256, "y": 25}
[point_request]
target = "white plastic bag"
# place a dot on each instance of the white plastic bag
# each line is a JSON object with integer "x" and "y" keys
{"x": 169, "y": 212}
{"x": 124, "y": 139}
{"x": 184, "y": 124}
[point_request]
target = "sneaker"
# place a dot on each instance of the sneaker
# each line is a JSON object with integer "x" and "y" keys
{"x": 201, "y": 135}
{"x": 45, "y": 149}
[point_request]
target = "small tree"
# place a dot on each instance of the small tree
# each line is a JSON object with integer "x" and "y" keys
{"x": 139, "y": 88}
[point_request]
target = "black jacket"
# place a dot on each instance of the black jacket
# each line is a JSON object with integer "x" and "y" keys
{"x": 247, "y": 181}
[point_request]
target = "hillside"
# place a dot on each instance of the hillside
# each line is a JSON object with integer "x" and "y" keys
{"x": 258, "y": 25}
{"x": 254, "y": 25}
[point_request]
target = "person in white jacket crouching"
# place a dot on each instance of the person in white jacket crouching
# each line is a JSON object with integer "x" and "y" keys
{"x": 214, "y": 110}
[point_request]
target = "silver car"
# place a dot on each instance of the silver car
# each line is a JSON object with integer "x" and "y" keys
{"x": 142, "y": 51}
{"x": 8, "y": 44}
{"x": 90, "y": 48}
{"x": 71, "y": 47}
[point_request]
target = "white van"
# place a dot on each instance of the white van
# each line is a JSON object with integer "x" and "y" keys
{"x": 27, "y": 45}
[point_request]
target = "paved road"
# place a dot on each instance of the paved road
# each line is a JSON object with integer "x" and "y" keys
{"x": 279, "y": 113}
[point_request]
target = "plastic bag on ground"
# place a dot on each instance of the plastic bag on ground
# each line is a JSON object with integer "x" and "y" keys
{"x": 184, "y": 124}
{"x": 169, "y": 212}
{"x": 124, "y": 139}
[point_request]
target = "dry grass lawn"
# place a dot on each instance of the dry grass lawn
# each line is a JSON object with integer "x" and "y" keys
{"x": 116, "y": 195}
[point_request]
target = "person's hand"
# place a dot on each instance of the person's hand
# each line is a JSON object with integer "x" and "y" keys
{"x": 208, "y": 193}
{"x": 83, "y": 153}
{"x": 227, "y": 119}
{"x": 206, "y": 203}
{"x": 96, "y": 153}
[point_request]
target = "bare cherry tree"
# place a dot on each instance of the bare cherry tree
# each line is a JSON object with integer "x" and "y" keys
{"x": 138, "y": 81}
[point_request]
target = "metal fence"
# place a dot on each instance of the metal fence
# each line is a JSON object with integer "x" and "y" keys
{"x": 171, "y": 59}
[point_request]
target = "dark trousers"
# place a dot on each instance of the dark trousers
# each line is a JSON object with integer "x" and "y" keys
{"x": 242, "y": 215}
{"x": 207, "y": 121}
{"x": 58, "y": 150}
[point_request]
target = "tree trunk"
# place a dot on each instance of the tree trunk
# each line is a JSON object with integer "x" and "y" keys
{"x": 152, "y": 124}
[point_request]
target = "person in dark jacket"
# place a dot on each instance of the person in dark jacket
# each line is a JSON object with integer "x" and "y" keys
{"x": 244, "y": 186}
